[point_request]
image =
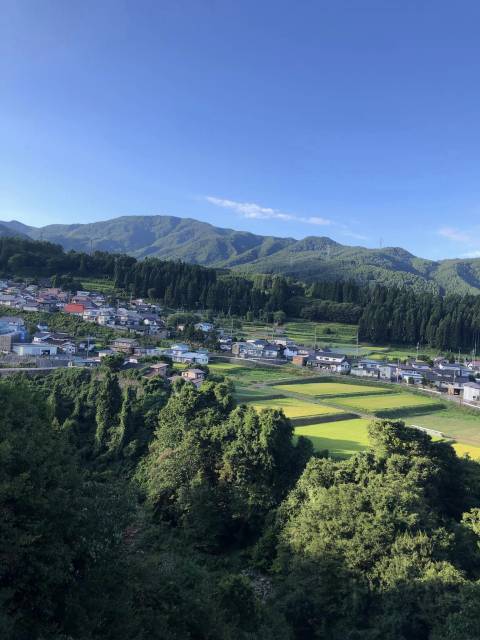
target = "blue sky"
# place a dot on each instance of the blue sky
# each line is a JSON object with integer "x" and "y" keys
{"x": 352, "y": 119}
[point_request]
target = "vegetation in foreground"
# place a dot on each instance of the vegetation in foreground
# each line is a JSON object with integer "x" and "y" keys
{"x": 134, "y": 511}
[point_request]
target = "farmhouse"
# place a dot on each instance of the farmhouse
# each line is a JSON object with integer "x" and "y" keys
{"x": 158, "y": 369}
{"x": 336, "y": 362}
{"x": 366, "y": 369}
{"x": 190, "y": 357}
{"x": 261, "y": 349}
{"x": 195, "y": 376}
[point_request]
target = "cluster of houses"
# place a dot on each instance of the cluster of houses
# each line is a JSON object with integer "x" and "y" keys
{"x": 138, "y": 316}
{"x": 456, "y": 379}
{"x": 282, "y": 349}
{"x": 193, "y": 375}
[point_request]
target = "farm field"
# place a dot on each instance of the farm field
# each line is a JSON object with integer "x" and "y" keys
{"x": 342, "y": 438}
{"x": 253, "y": 385}
{"x": 294, "y": 408}
{"x": 97, "y": 284}
{"x": 374, "y": 404}
{"x": 458, "y": 424}
{"x": 253, "y": 375}
{"x": 467, "y": 449}
{"x": 333, "y": 389}
{"x": 334, "y": 335}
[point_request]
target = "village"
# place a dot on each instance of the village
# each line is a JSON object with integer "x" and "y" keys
{"x": 141, "y": 327}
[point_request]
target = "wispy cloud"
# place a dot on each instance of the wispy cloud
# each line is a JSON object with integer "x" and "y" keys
{"x": 351, "y": 234}
{"x": 469, "y": 239}
{"x": 455, "y": 234}
{"x": 254, "y": 210}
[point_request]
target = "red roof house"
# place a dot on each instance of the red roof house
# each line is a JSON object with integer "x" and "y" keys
{"x": 77, "y": 309}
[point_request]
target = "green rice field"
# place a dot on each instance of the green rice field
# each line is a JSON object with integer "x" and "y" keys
{"x": 331, "y": 399}
{"x": 342, "y": 438}
{"x": 338, "y": 389}
{"x": 294, "y": 408}
{"x": 374, "y": 404}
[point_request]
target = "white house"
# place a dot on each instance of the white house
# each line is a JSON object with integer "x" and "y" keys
{"x": 471, "y": 392}
{"x": 190, "y": 357}
{"x": 206, "y": 327}
{"x": 330, "y": 360}
{"x": 35, "y": 349}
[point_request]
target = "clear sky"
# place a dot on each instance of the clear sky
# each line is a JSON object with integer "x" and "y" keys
{"x": 355, "y": 119}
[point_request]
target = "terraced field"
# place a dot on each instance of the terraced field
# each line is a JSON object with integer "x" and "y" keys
{"x": 332, "y": 389}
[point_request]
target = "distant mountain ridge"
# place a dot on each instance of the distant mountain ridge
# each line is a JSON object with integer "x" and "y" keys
{"x": 312, "y": 258}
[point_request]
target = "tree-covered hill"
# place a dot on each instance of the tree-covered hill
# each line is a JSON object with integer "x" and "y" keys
{"x": 135, "y": 509}
{"x": 309, "y": 259}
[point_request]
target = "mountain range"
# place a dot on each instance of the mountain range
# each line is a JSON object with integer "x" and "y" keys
{"x": 309, "y": 259}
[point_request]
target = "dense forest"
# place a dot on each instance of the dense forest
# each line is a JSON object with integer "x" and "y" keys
{"x": 384, "y": 315}
{"x": 131, "y": 510}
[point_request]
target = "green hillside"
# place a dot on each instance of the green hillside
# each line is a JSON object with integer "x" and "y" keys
{"x": 312, "y": 258}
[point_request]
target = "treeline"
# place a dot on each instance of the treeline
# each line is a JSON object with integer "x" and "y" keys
{"x": 33, "y": 259}
{"x": 131, "y": 509}
{"x": 402, "y": 317}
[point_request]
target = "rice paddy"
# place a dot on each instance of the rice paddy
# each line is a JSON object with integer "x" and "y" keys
{"x": 341, "y": 439}
{"x": 294, "y": 408}
{"x": 328, "y": 419}
{"x": 387, "y": 402}
{"x": 332, "y": 389}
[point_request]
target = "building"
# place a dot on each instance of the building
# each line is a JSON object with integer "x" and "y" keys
{"x": 471, "y": 392}
{"x": 257, "y": 349}
{"x": 74, "y": 308}
{"x": 190, "y": 357}
{"x": 366, "y": 369}
{"x": 412, "y": 377}
{"x": 181, "y": 353}
{"x": 32, "y": 349}
{"x": 300, "y": 361}
{"x": 206, "y": 327}
{"x": 195, "y": 376}
{"x": 335, "y": 362}
{"x": 124, "y": 345}
{"x": 159, "y": 369}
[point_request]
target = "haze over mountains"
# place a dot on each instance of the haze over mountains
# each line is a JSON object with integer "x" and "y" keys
{"x": 312, "y": 258}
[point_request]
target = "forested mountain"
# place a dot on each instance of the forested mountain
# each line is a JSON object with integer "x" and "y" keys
{"x": 7, "y": 232}
{"x": 309, "y": 259}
